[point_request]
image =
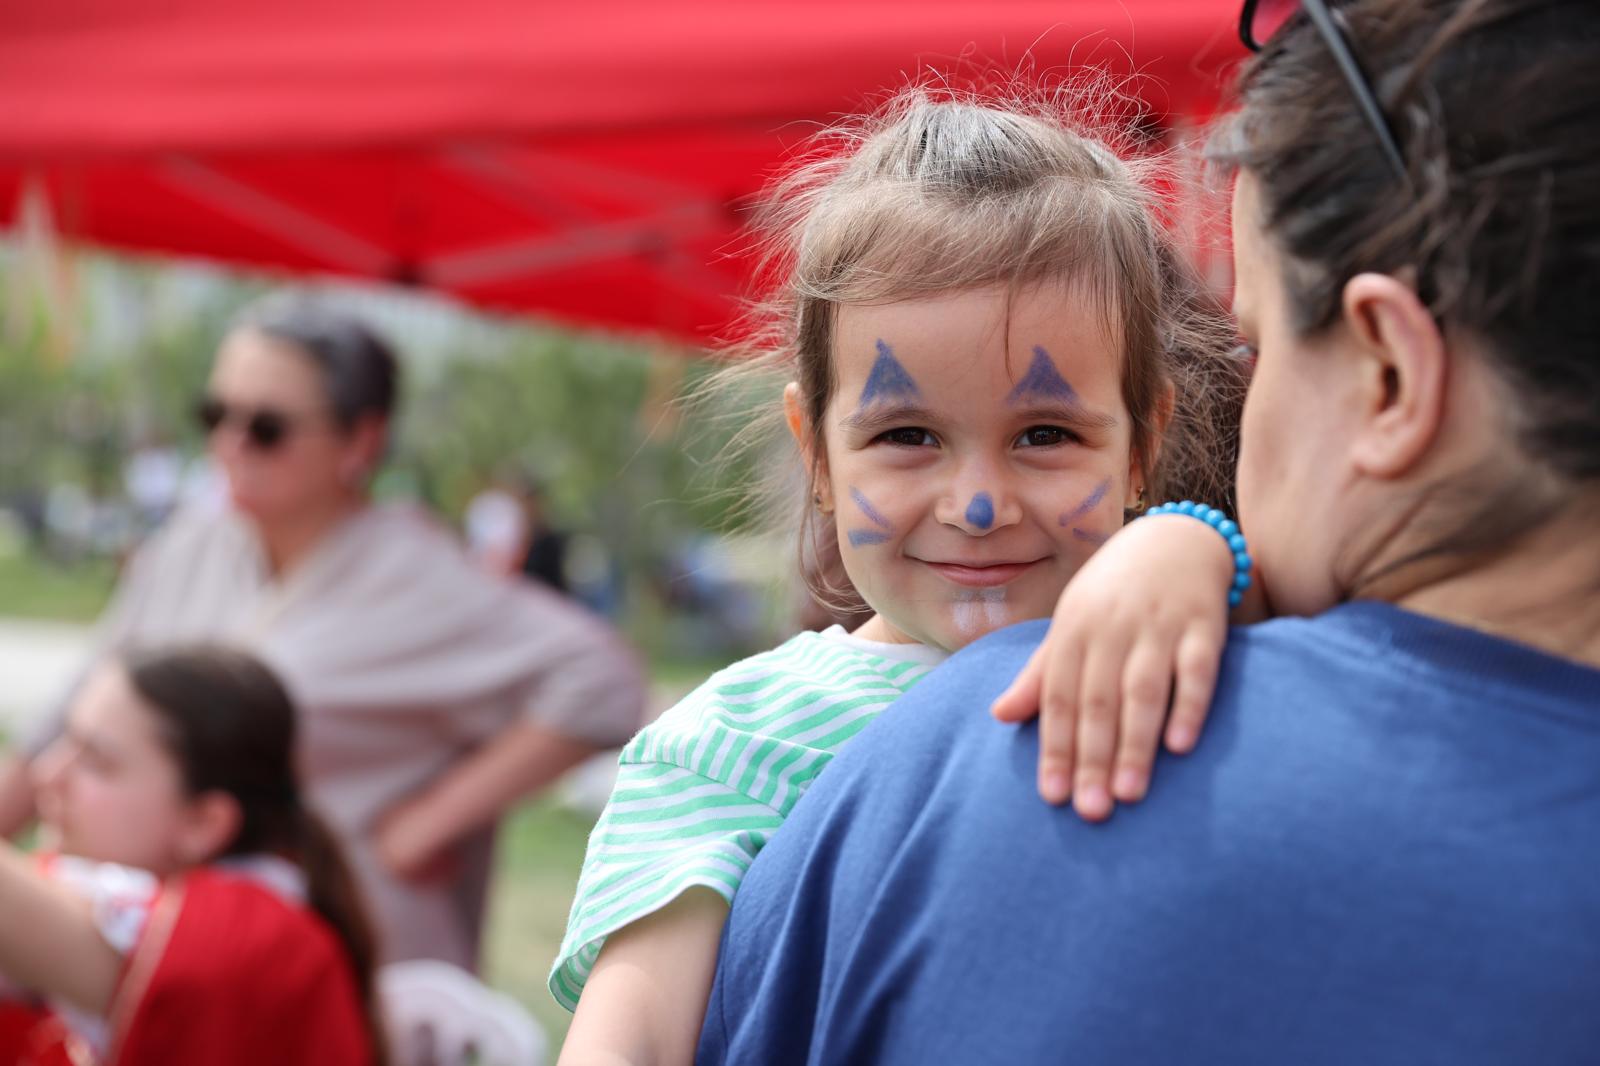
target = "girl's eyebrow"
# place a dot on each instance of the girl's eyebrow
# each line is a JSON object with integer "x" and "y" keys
{"x": 880, "y": 416}
{"x": 1073, "y": 414}
{"x": 88, "y": 742}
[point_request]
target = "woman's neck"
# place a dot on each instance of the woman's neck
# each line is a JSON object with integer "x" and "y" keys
{"x": 1543, "y": 591}
{"x": 288, "y": 541}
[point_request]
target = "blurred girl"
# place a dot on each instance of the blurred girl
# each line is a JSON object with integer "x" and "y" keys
{"x": 190, "y": 908}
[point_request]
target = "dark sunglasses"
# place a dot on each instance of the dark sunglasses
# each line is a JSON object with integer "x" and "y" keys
{"x": 1260, "y": 19}
{"x": 264, "y": 428}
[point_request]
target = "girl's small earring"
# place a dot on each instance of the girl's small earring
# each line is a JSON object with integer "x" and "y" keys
{"x": 1139, "y": 505}
{"x": 816, "y": 501}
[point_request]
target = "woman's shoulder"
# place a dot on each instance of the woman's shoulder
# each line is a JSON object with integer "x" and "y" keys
{"x": 202, "y": 527}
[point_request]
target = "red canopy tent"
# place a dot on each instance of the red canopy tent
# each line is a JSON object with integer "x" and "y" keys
{"x": 584, "y": 161}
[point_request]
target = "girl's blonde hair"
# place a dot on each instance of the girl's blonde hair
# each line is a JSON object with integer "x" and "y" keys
{"x": 939, "y": 191}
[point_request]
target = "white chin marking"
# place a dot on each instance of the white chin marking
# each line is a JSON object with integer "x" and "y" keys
{"x": 967, "y": 615}
{"x": 980, "y": 610}
{"x": 994, "y": 607}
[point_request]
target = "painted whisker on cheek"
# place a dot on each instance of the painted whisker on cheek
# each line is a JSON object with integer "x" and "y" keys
{"x": 863, "y": 537}
{"x": 872, "y": 513}
{"x": 1093, "y": 500}
{"x": 888, "y": 379}
{"x": 1089, "y": 536}
{"x": 1042, "y": 382}
{"x": 980, "y": 512}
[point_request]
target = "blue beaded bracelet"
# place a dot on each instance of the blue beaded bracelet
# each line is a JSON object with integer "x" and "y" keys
{"x": 1230, "y": 533}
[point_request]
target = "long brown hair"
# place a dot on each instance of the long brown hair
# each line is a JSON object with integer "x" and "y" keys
{"x": 230, "y": 724}
{"x": 1496, "y": 107}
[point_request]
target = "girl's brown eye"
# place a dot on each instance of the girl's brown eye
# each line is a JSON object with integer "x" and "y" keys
{"x": 909, "y": 437}
{"x": 1045, "y": 437}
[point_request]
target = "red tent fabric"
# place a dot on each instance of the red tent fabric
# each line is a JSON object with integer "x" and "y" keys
{"x": 586, "y": 161}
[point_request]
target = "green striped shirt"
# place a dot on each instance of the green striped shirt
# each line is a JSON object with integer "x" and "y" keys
{"x": 701, "y": 790}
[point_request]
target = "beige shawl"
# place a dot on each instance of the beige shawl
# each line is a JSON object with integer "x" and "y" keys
{"x": 402, "y": 657}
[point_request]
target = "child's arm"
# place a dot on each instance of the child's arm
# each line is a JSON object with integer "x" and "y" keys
{"x": 646, "y": 997}
{"x": 48, "y": 939}
{"x": 1143, "y": 621}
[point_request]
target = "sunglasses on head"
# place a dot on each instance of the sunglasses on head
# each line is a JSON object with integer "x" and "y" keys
{"x": 264, "y": 428}
{"x": 1260, "y": 19}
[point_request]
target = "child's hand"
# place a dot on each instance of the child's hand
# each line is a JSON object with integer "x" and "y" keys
{"x": 1149, "y": 607}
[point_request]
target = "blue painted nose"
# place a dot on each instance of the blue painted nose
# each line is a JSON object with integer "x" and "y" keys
{"x": 980, "y": 512}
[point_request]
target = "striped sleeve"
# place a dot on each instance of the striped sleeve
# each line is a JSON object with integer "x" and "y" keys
{"x": 700, "y": 791}
{"x": 666, "y": 830}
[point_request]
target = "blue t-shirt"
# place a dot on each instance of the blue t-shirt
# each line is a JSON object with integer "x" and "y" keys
{"x": 1386, "y": 849}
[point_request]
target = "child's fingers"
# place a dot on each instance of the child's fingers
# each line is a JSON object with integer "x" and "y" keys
{"x": 1021, "y": 701}
{"x": 1146, "y": 685}
{"x": 1058, "y": 716}
{"x": 1099, "y": 706}
{"x": 1199, "y": 651}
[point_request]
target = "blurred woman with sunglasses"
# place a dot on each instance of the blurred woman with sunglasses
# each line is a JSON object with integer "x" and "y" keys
{"x": 434, "y": 696}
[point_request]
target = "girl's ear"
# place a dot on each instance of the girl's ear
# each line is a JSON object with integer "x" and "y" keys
{"x": 815, "y": 461}
{"x": 1142, "y": 459}
{"x": 211, "y": 824}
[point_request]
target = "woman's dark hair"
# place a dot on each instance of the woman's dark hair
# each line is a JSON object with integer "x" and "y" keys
{"x": 1496, "y": 105}
{"x": 230, "y": 724}
{"x": 358, "y": 366}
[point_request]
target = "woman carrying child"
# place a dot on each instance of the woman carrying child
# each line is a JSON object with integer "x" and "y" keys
{"x": 993, "y": 358}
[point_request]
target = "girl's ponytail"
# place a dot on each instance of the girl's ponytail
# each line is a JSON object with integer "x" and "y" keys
{"x": 331, "y": 891}
{"x": 230, "y": 724}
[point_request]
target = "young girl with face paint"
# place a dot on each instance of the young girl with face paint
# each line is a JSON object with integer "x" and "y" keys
{"x": 993, "y": 358}
{"x": 190, "y": 908}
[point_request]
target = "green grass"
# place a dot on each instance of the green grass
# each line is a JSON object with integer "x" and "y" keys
{"x": 541, "y": 849}
{"x": 54, "y": 592}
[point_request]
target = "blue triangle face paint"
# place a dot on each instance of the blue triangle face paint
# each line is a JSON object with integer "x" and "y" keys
{"x": 1042, "y": 381}
{"x": 888, "y": 379}
{"x": 980, "y": 512}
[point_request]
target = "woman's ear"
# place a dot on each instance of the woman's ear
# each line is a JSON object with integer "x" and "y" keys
{"x": 816, "y": 463}
{"x": 211, "y": 825}
{"x": 364, "y": 449}
{"x": 1142, "y": 458}
{"x": 1403, "y": 374}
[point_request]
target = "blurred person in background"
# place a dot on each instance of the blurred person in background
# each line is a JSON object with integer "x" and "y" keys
{"x": 495, "y": 528}
{"x": 544, "y": 557}
{"x": 434, "y": 696}
{"x": 508, "y": 531}
{"x": 186, "y": 906}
